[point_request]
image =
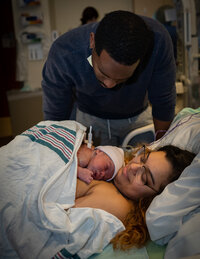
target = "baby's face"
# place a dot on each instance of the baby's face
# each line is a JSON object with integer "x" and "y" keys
{"x": 101, "y": 165}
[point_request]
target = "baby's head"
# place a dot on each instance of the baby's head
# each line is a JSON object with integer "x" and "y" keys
{"x": 105, "y": 162}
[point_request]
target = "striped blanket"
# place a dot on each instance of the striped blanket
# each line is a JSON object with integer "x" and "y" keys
{"x": 37, "y": 192}
{"x": 56, "y": 137}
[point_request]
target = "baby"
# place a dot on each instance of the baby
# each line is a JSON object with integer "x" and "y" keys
{"x": 100, "y": 163}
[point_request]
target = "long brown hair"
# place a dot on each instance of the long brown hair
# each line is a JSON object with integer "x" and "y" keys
{"x": 136, "y": 233}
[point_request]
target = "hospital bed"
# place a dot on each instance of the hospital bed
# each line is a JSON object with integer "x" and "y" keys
{"x": 144, "y": 134}
{"x": 38, "y": 227}
{"x": 173, "y": 218}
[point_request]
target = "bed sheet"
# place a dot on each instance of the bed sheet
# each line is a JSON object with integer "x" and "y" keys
{"x": 150, "y": 251}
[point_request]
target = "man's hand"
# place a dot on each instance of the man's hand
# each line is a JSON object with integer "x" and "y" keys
{"x": 160, "y": 127}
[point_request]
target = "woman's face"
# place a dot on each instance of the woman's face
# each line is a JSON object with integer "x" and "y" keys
{"x": 143, "y": 176}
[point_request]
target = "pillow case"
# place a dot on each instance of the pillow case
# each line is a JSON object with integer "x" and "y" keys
{"x": 180, "y": 199}
{"x": 184, "y": 131}
{"x": 178, "y": 202}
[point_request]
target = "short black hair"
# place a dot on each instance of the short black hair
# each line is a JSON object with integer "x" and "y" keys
{"x": 125, "y": 36}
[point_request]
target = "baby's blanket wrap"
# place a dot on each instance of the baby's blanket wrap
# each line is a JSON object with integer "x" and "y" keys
{"x": 38, "y": 172}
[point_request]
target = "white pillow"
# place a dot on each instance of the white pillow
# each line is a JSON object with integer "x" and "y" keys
{"x": 175, "y": 204}
{"x": 184, "y": 131}
{"x": 180, "y": 199}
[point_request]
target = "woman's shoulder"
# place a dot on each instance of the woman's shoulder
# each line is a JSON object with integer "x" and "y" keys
{"x": 104, "y": 195}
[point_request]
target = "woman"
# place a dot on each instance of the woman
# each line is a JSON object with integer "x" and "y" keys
{"x": 153, "y": 170}
{"x": 145, "y": 176}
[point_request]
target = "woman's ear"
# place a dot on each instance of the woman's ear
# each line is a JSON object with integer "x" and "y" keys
{"x": 92, "y": 41}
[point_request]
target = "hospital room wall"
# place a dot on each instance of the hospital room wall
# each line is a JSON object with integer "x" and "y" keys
{"x": 60, "y": 16}
{"x": 26, "y": 105}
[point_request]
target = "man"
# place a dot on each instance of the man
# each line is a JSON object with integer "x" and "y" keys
{"x": 113, "y": 68}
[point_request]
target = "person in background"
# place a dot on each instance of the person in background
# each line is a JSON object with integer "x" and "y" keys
{"x": 100, "y": 163}
{"x": 89, "y": 15}
{"x": 119, "y": 69}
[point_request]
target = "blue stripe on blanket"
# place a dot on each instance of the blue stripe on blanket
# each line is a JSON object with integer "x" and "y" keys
{"x": 57, "y": 138}
{"x": 64, "y": 254}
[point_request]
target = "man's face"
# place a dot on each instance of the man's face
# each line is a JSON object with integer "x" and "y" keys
{"x": 109, "y": 72}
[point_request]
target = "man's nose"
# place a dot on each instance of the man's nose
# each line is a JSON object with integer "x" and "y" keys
{"x": 109, "y": 83}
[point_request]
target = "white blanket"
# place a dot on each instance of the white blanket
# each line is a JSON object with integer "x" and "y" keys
{"x": 174, "y": 215}
{"x": 37, "y": 192}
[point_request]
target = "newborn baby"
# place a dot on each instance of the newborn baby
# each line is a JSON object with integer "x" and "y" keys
{"x": 101, "y": 163}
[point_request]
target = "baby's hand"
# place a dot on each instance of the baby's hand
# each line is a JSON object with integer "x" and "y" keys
{"x": 85, "y": 175}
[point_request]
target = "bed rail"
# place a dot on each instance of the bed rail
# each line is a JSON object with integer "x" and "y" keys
{"x": 133, "y": 133}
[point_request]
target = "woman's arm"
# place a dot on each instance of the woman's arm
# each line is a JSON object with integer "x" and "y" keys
{"x": 82, "y": 188}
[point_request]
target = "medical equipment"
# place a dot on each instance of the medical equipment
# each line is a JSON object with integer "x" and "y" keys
{"x": 88, "y": 140}
{"x": 188, "y": 53}
{"x": 89, "y": 144}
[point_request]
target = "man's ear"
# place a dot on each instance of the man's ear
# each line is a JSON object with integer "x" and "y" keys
{"x": 92, "y": 41}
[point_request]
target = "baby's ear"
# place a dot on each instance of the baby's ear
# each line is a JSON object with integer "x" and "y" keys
{"x": 97, "y": 151}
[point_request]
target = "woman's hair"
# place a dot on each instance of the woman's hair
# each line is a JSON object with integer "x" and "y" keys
{"x": 89, "y": 13}
{"x": 125, "y": 36}
{"x": 179, "y": 160}
{"x": 136, "y": 232}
